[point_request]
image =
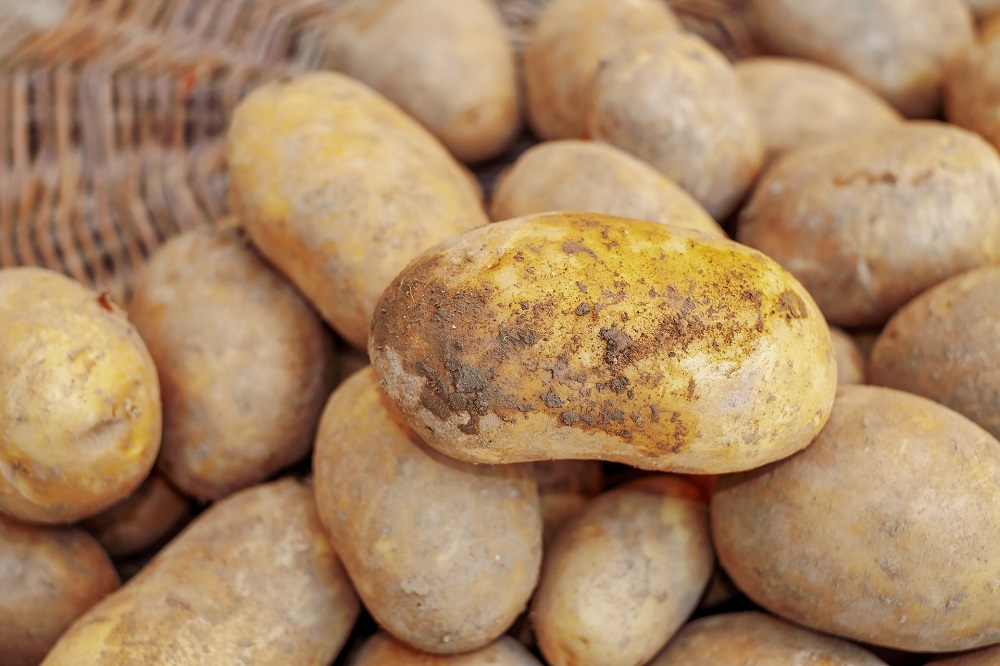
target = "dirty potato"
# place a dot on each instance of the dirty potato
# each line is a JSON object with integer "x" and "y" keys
{"x": 253, "y": 581}
{"x": 79, "y": 400}
{"x": 883, "y": 530}
{"x": 444, "y": 554}
{"x": 595, "y": 177}
{"x": 245, "y": 363}
{"x": 383, "y": 650}
{"x": 583, "y": 336}
{"x": 340, "y": 189}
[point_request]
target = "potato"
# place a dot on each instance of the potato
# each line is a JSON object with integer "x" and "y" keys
{"x": 448, "y": 64}
{"x": 443, "y": 554}
{"x": 252, "y": 581}
{"x": 245, "y": 363}
{"x": 49, "y": 577}
{"x": 569, "y": 42}
{"x": 868, "y": 223}
{"x": 142, "y": 519}
{"x": 989, "y": 29}
{"x": 738, "y": 639}
{"x": 798, "y": 103}
{"x": 584, "y": 336}
{"x": 79, "y": 400}
{"x": 558, "y": 508}
{"x": 901, "y": 48}
{"x": 676, "y": 103}
{"x": 851, "y": 364}
{"x": 985, "y": 657}
{"x": 971, "y": 96}
{"x": 382, "y": 650}
{"x": 983, "y": 8}
{"x": 595, "y": 177}
{"x": 585, "y": 477}
{"x": 340, "y": 190}
{"x": 883, "y": 530}
{"x": 720, "y": 590}
{"x": 624, "y": 575}
{"x": 942, "y": 345}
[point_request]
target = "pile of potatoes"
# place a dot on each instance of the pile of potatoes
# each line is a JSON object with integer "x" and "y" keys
{"x": 708, "y": 377}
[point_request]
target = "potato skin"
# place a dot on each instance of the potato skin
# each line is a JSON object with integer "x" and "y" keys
{"x": 339, "y": 189}
{"x": 192, "y": 305}
{"x": 566, "y": 47}
{"x": 737, "y": 639}
{"x": 79, "y": 400}
{"x": 49, "y": 577}
{"x": 621, "y": 577}
{"x": 444, "y": 554}
{"x": 595, "y": 177}
{"x": 383, "y": 650}
{"x": 583, "y": 336}
{"x": 873, "y": 41}
{"x": 971, "y": 99}
{"x": 986, "y": 657}
{"x": 448, "y": 64}
{"x": 851, "y": 363}
{"x": 853, "y": 536}
{"x": 868, "y": 223}
{"x": 797, "y": 103}
{"x": 675, "y": 102}
{"x": 252, "y": 581}
{"x": 942, "y": 345}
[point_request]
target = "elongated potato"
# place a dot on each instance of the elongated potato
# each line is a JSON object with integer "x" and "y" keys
{"x": 49, "y": 577}
{"x": 797, "y": 103}
{"x": 443, "y": 554}
{"x": 738, "y": 639}
{"x": 675, "y": 102}
{"x": 382, "y": 650}
{"x": 624, "y": 575}
{"x": 873, "y": 40}
{"x": 448, "y": 64}
{"x": 245, "y": 363}
{"x": 870, "y": 222}
{"x": 942, "y": 345}
{"x": 252, "y": 581}
{"x": 883, "y": 530}
{"x": 339, "y": 189}
{"x": 583, "y": 336}
{"x": 568, "y": 44}
{"x": 80, "y": 407}
{"x": 595, "y": 177}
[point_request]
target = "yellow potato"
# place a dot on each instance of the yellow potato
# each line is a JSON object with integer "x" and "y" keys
{"x": 448, "y": 64}
{"x": 883, "y": 530}
{"x": 443, "y": 554}
{"x": 583, "y": 336}
{"x": 624, "y": 575}
{"x": 851, "y": 364}
{"x": 79, "y": 400}
{"x": 382, "y": 650}
{"x": 568, "y": 44}
{"x": 244, "y": 361}
{"x": 48, "y": 576}
{"x": 676, "y": 103}
{"x": 253, "y": 581}
{"x": 595, "y": 177}
{"x": 340, "y": 189}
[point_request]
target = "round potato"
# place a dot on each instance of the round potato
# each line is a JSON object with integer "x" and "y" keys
{"x": 568, "y": 44}
{"x": 738, "y": 639}
{"x": 596, "y": 177}
{"x": 797, "y": 103}
{"x": 942, "y": 345}
{"x": 883, "y": 530}
{"x": 584, "y": 336}
{"x": 49, "y": 577}
{"x": 675, "y": 102}
{"x": 382, "y": 650}
{"x": 868, "y": 223}
{"x": 851, "y": 364}
{"x": 443, "y": 554}
{"x": 240, "y": 402}
{"x": 142, "y": 520}
{"x": 340, "y": 189}
{"x": 972, "y": 91}
{"x": 448, "y": 64}
{"x": 253, "y": 580}
{"x": 621, "y": 577}
{"x": 80, "y": 411}
{"x": 873, "y": 40}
